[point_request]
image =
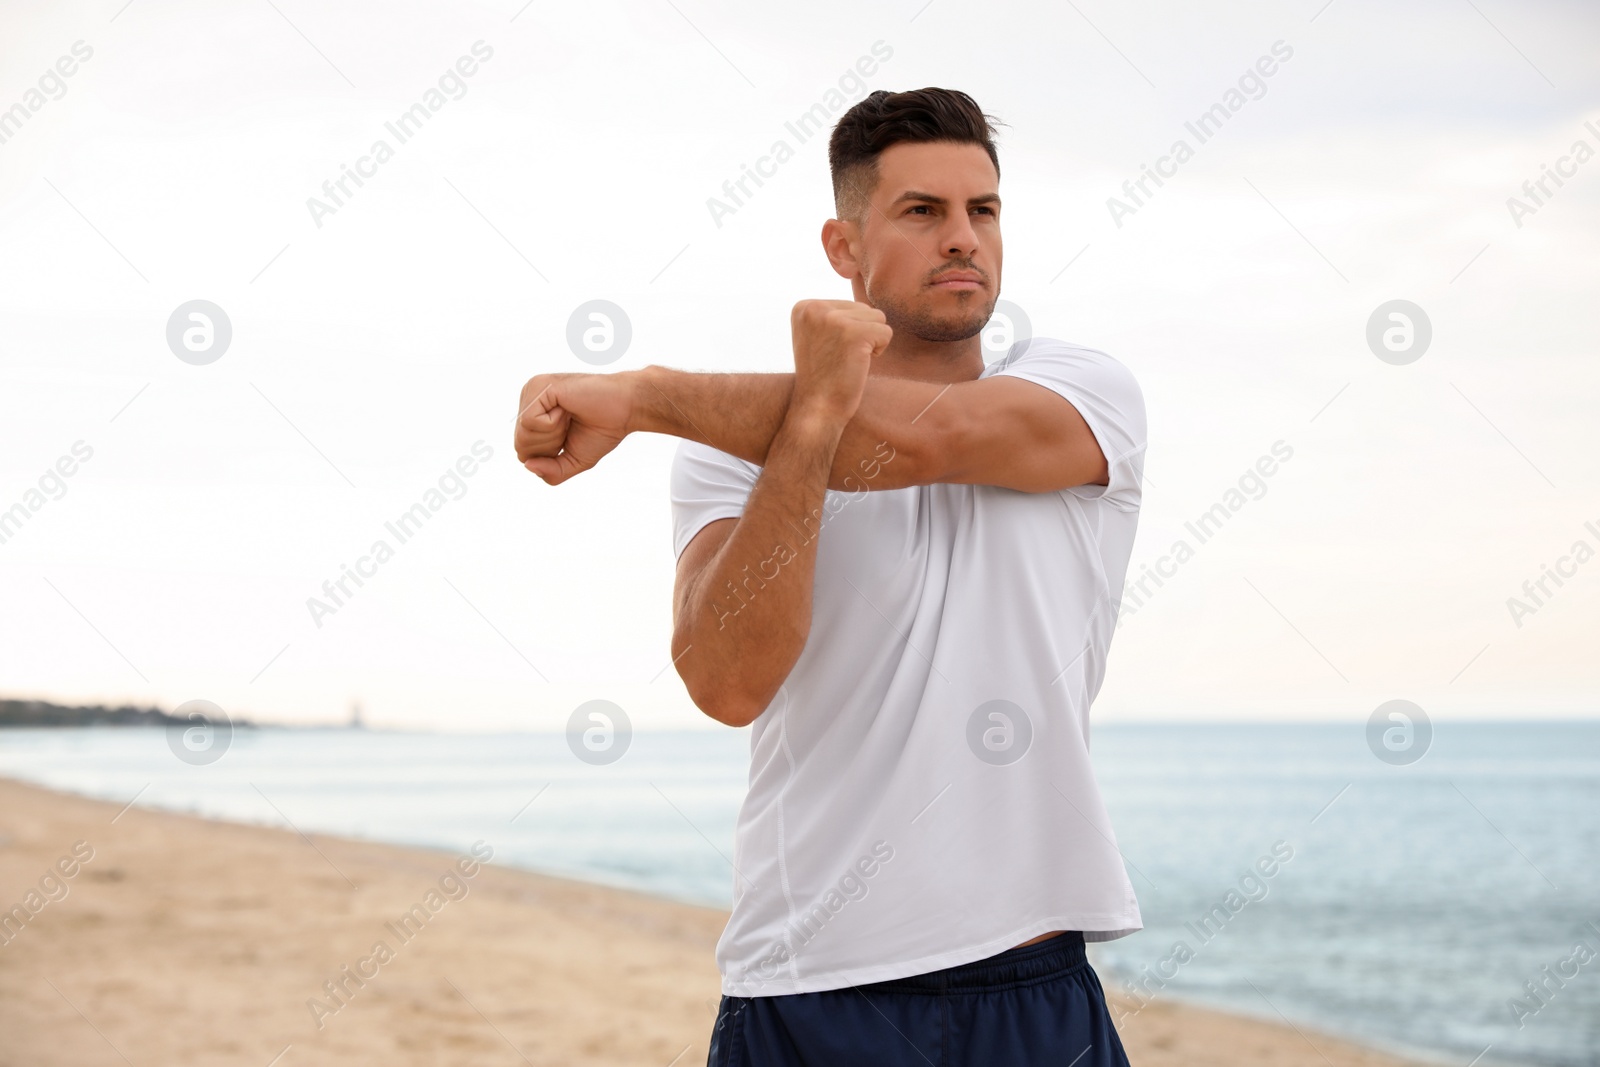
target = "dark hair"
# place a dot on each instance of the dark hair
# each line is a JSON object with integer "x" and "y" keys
{"x": 883, "y": 119}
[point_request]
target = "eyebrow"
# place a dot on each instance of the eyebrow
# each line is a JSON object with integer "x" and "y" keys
{"x": 939, "y": 201}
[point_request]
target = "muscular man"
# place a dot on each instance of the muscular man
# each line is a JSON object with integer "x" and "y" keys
{"x": 902, "y": 568}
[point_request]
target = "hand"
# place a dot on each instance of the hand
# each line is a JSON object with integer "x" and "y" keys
{"x": 568, "y": 422}
{"x": 834, "y": 342}
{"x": 541, "y": 428}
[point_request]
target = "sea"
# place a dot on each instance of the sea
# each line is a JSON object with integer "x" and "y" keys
{"x": 1447, "y": 909}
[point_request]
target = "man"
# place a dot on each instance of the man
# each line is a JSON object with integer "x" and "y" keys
{"x": 902, "y": 567}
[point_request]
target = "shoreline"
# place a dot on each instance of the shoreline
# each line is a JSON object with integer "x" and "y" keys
{"x": 182, "y": 939}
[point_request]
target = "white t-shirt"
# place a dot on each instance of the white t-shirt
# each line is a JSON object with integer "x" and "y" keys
{"x": 920, "y": 790}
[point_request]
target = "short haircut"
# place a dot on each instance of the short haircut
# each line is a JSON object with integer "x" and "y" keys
{"x": 883, "y": 119}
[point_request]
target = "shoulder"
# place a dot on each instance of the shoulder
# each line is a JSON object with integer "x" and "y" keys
{"x": 1087, "y": 376}
{"x": 1105, "y": 393}
{"x": 1050, "y": 351}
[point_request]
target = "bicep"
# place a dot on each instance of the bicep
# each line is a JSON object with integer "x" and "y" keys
{"x": 1019, "y": 434}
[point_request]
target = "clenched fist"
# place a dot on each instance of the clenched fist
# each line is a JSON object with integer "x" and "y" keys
{"x": 567, "y": 422}
{"x": 834, "y": 342}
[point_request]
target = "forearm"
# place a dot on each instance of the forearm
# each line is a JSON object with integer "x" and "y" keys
{"x": 748, "y": 616}
{"x": 898, "y": 422}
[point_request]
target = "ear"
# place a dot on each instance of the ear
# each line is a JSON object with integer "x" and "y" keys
{"x": 841, "y": 241}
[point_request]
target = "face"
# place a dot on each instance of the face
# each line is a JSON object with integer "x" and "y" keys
{"x": 928, "y": 254}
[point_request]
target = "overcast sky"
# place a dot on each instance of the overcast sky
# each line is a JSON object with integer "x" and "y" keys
{"x": 374, "y": 344}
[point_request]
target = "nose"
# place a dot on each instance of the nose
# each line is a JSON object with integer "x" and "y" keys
{"x": 961, "y": 240}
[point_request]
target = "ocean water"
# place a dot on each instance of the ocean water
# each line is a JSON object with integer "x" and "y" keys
{"x": 1406, "y": 906}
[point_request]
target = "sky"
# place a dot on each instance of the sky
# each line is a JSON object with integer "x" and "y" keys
{"x": 380, "y": 340}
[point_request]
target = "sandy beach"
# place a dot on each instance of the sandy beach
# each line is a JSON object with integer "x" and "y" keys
{"x": 149, "y": 937}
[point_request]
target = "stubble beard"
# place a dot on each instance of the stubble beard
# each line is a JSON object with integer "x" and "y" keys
{"x": 919, "y": 320}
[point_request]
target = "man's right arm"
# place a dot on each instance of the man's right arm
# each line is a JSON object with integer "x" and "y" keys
{"x": 742, "y": 601}
{"x": 741, "y": 607}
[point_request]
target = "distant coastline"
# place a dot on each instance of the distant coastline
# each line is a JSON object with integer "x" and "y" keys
{"x": 44, "y": 713}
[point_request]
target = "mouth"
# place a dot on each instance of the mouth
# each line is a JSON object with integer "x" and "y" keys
{"x": 958, "y": 280}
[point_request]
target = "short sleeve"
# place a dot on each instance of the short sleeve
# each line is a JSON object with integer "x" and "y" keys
{"x": 1105, "y": 393}
{"x": 707, "y": 485}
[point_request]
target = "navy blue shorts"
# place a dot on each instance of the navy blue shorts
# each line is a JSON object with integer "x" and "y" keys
{"x": 1039, "y": 1004}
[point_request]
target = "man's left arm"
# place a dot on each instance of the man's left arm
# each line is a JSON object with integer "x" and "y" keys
{"x": 999, "y": 430}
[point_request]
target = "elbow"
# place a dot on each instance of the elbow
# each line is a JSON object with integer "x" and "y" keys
{"x": 735, "y": 715}
{"x": 937, "y": 453}
{"x": 912, "y": 459}
{"x": 734, "y": 683}
{"x": 724, "y": 703}
{"x": 715, "y": 695}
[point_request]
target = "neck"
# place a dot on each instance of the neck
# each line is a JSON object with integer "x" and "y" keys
{"x": 930, "y": 361}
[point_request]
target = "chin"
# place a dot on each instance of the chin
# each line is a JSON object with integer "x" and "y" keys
{"x": 970, "y": 317}
{"x": 957, "y": 328}
{"x": 932, "y": 319}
